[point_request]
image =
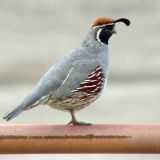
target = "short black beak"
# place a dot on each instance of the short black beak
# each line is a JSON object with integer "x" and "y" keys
{"x": 113, "y": 31}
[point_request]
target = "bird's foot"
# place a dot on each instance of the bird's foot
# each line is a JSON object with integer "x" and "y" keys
{"x": 74, "y": 122}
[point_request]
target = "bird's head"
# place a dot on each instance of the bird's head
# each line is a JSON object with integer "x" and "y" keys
{"x": 104, "y": 28}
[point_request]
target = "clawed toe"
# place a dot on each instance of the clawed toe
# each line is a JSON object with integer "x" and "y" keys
{"x": 79, "y": 123}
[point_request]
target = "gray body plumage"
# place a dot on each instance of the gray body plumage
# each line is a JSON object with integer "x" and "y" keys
{"x": 66, "y": 75}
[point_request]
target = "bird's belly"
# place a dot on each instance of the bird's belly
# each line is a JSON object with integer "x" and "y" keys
{"x": 74, "y": 101}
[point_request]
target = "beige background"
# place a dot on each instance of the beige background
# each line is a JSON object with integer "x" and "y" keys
{"x": 34, "y": 34}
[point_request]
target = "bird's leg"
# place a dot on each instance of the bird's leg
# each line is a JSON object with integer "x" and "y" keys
{"x": 74, "y": 120}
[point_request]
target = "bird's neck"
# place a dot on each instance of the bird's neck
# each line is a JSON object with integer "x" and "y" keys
{"x": 90, "y": 43}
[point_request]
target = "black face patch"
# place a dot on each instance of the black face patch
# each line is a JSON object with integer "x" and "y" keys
{"x": 105, "y": 33}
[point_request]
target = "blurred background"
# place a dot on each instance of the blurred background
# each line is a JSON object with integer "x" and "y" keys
{"x": 35, "y": 34}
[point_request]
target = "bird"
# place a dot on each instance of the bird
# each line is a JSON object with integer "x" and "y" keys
{"x": 78, "y": 78}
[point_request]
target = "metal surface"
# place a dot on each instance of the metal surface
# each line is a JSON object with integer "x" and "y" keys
{"x": 80, "y": 139}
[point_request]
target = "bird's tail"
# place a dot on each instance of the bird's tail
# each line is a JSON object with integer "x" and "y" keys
{"x": 15, "y": 112}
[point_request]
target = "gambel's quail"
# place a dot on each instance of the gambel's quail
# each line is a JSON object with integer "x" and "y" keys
{"x": 79, "y": 78}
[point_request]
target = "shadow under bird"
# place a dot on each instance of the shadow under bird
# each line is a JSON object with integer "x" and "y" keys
{"x": 78, "y": 78}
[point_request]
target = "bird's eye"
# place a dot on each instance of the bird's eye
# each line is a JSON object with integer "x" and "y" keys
{"x": 109, "y": 27}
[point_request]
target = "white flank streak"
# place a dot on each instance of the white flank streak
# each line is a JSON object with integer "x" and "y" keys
{"x": 100, "y": 78}
{"x": 93, "y": 81}
{"x": 92, "y": 76}
{"x": 67, "y": 76}
{"x": 99, "y": 83}
{"x": 95, "y": 89}
{"x": 79, "y": 88}
{"x": 84, "y": 82}
{"x": 88, "y": 81}
{"x": 75, "y": 90}
{"x": 99, "y": 73}
{"x": 93, "y": 72}
{"x": 99, "y": 68}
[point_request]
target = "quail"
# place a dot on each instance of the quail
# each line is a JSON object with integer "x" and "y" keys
{"x": 78, "y": 78}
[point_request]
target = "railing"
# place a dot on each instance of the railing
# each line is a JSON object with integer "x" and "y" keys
{"x": 79, "y": 139}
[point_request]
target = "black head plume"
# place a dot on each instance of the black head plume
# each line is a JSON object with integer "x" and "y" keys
{"x": 124, "y": 20}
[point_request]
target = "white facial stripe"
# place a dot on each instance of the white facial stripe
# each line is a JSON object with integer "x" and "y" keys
{"x": 97, "y": 35}
{"x": 109, "y": 24}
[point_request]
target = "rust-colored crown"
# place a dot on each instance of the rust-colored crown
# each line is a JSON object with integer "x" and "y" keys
{"x": 102, "y": 20}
